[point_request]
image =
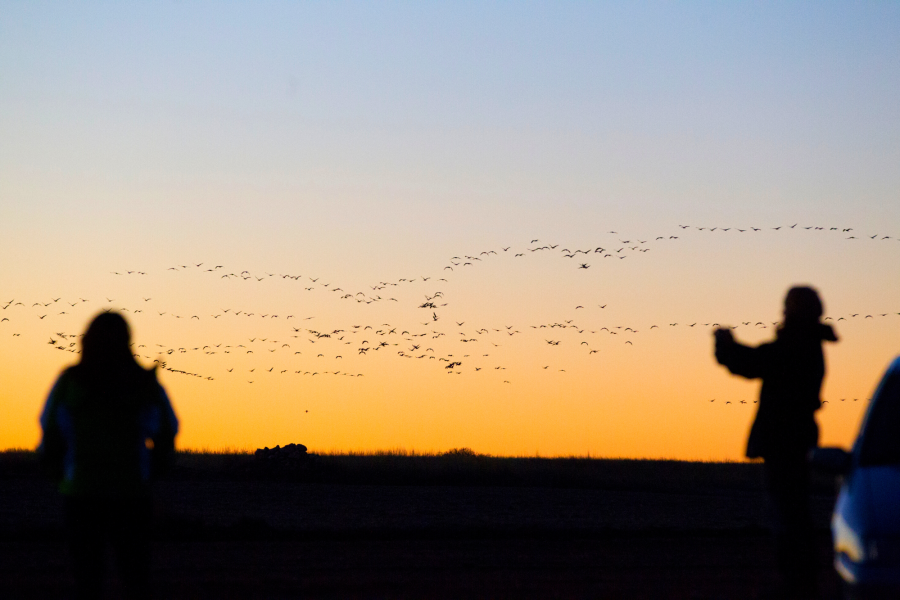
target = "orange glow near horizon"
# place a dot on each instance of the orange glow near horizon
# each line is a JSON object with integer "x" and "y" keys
{"x": 635, "y": 378}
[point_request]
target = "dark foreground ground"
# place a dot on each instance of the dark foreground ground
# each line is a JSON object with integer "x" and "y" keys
{"x": 651, "y": 567}
{"x": 438, "y": 529}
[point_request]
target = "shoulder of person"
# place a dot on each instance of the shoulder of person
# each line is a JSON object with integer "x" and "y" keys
{"x": 67, "y": 379}
{"x": 69, "y": 372}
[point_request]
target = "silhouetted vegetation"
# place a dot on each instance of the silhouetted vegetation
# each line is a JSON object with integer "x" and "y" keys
{"x": 457, "y": 467}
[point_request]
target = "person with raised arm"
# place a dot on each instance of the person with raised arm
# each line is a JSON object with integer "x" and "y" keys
{"x": 792, "y": 368}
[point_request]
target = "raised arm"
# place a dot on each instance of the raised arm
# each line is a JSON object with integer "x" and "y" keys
{"x": 741, "y": 360}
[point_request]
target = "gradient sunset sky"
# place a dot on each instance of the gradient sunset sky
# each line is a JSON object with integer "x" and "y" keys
{"x": 193, "y": 163}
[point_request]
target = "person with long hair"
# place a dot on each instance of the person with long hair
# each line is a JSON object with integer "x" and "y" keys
{"x": 108, "y": 427}
{"x": 784, "y": 431}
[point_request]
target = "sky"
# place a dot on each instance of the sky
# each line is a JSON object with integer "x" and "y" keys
{"x": 311, "y": 164}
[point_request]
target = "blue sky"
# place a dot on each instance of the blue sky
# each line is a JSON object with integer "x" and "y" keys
{"x": 671, "y": 106}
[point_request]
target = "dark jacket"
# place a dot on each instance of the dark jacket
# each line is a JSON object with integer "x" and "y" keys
{"x": 106, "y": 440}
{"x": 792, "y": 368}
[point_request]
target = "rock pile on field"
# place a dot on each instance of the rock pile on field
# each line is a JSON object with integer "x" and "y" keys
{"x": 287, "y": 457}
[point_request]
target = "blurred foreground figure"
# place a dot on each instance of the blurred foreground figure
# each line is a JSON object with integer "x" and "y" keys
{"x": 792, "y": 368}
{"x": 108, "y": 426}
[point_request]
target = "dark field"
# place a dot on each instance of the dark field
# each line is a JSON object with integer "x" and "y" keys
{"x": 393, "y": 526}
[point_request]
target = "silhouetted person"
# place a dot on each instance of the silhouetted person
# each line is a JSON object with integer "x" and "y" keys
{"x": 108, "y": 426}
{"x": 792, "y": 368}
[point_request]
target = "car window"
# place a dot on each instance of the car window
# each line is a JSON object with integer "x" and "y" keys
{"x": 879, "y": 440}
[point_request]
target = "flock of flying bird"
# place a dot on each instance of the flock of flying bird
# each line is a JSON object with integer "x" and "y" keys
{"x": 297, "y": 341}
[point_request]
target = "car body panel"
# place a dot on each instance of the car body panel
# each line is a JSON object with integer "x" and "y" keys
{"x": 866, "y": 520}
